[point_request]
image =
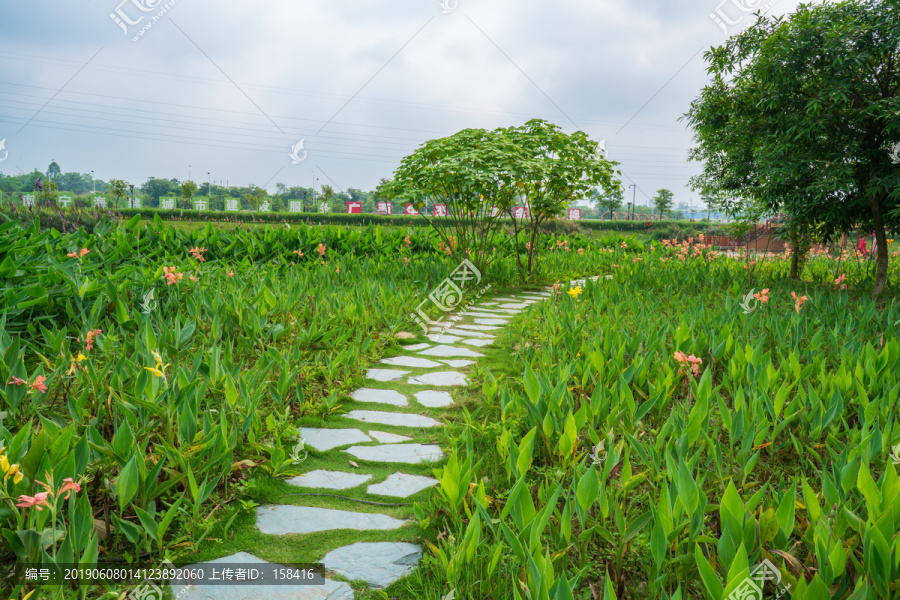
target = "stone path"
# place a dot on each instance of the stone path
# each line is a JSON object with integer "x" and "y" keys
{"x": 410, "y": 402}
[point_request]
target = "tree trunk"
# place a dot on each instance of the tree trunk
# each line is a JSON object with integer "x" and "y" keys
{"x": 795, "y": 259}
{"x": 881, "y": 260}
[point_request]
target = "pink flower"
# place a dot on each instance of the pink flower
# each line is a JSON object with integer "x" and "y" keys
{"x": 798, "y": 301}
{"x": 231, "y": 273}
{"x": 72, "y": 255}
{"x": 408, "y": 241}
{"x": 172, "y": 276}
{"x": 762, "y": 296}
{"x": 321, "y": 249}
{"x": 37, "y": 501}
{"x": 581, "y": 251}
{"x": 16, "y": 381}
{"x": 298, "y": 252}
{"x": 84, "y": 251}
{"x": 67, "y": 487}
{"x": 39, "y": 383}
{"x": 91, "y": 336}
{"x": 680, "y": 357}
{"x": 198, "y": 253}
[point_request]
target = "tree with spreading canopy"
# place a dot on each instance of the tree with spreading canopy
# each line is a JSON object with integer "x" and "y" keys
{"x": 799, "y": 119}
{"x": 481, "y": 175}
{"x": 663, "y": 201}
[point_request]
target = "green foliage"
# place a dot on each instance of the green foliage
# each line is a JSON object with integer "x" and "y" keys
{"x": 799, "y": 118}
{"x": 605, "y": 460}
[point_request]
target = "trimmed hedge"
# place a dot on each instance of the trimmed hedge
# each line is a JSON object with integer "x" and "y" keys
{"x": 70, "y": 219}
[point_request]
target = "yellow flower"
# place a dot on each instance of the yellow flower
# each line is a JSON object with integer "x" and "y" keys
{"x": 4, "y": 463}
{"x": 574, "y": 292}
{"x": 15, "y": 473}
{"x": 156, "y": 372}
{"x": 81, "y": 357}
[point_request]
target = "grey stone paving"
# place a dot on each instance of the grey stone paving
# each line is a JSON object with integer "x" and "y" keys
{"x": 399, "y": 453}
{"x": 285, "y": 519}
{"x": 385, "y": 374}
{"x": 434, "y": 398}
{"x": 512, "y": 305}
{"x": 439, "y": 378}
{"x": 450, "y": 351}
{"x": 326, "y": 439}
{"x": 401, "y": 485}
{"x": 478, "y": 342}
{"x": 186, "y": 589}
{"x": 392, "y": 397}
{"x": 388, "y": 438}
{"x": 416, "y": 347}
{"x": 458, "y": 364}
{"x": 479, "y": 327}
{"x": 479, "y": 321}
{"x": 442, "y": 339}
{"x": 411, "y": 361}
{"x": 464, "y": 333}
{"x": 331, "y": 480}
{"x": 378, "y": 563}
{"x": 392, "y": 418}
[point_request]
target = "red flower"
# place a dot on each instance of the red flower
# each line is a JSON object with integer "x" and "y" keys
{"x": 37, "y": 501}
{"x": 39, "y": 383}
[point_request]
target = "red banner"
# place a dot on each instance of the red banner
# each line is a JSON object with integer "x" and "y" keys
{"x": 354, "y": 207}
{"x": 410, "y": 210}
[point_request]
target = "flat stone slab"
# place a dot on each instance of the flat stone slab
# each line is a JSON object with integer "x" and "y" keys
{"x": 385, "y": 374}
{"x": 330, "y": 480}
{"x": 416, "y": 347}
{"x": 392, "y": 397}
{"x": 284, "y": 519}
{"x": 434, "y": 398}
{"x": 440, "y": 378}
{"x": 481, "y": 321}
{"x": 411, "y": 361}
{"x": 392, "y": 418}
{"x": 512, "y": 305}
{"x": 442, "y": 339}
{"x": 450, "y": 351}
{"x": 478, "y": 342}
{"x": 378, "y": 563}
{"x": 489, "y": 315}
{"x": 458, "y": 364}
{"x": 487, "y": 304}
{"x": 397, "y": 453}
{"x": 326, "y": 439}
{"x": 478, "y": 327}
{"x": 466, "y": 333}
{"x": 401, "y": 485}
{"x": 185, "y": 589}
{"x": 388, "y": 438}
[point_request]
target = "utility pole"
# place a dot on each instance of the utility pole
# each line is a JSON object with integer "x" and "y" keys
{"x": 633, "y": 199}
{"x": 209, "y": 186}
{"x": 94, "y": 181}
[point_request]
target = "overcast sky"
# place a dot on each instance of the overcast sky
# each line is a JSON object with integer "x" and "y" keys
{"x": 228, "y": 88}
